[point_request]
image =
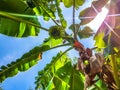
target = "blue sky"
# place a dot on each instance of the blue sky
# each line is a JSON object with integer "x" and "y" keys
{"x": 12, "y": 48}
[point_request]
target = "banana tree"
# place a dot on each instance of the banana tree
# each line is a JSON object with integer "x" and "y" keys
{"x": 96, "y": 68}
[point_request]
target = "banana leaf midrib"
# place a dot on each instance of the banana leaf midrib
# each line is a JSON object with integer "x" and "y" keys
{"x": 8, "y": 15}
{"x": 14, "y": 65}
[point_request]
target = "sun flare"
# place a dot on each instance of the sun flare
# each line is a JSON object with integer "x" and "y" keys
{"x": 95, "y": 24}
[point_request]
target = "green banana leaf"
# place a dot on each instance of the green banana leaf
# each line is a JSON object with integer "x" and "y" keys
{"x": 13, "y": 17}
{"x": 22, "y": 64}
{"x": 59, "y": 75}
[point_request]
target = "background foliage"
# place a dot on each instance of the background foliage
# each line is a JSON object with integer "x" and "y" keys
{"x": 98, "y": 70}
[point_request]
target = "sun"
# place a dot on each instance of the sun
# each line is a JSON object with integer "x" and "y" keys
{"x": 95, "y": 24}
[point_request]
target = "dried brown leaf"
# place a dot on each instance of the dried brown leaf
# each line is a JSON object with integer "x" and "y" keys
{"x": 111, "y": 26}
{"x": 90, "y": 12}
{"x": 99, "y": 4}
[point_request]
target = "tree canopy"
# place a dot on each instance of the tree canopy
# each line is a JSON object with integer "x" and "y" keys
{"x": 96, "y": 68}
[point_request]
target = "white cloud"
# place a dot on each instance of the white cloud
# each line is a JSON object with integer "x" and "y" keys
{"x": 7, "y": 59}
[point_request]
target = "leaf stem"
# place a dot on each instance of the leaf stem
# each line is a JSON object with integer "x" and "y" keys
{"x": 37, "y": 2}
{"x": 61, "y": 55}
{"x": 65, "y": 52}
{"x": 60, "y": 46}
{"x": 17, "y": 64}
{"x": 94, "y": 48}
{"x": 24, "y": 60}
{"x": 8, "y": 15}
{"x": 115, "y": 69}
{"x": 49, "y": 15}
{"x": 74, "y": 29}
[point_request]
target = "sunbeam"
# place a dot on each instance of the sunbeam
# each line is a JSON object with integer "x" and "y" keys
{"x": 95, "y": 24}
